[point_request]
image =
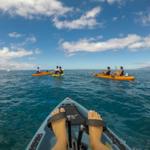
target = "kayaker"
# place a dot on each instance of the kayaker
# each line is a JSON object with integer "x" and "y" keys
{"x": 108, "y": 71}
{"x": 60, "y": 70}
{"x": 60, "y": 131}
{"x": 57, "y": 70}
{"x": 38, "y": 70}
{"x": 119, "y": 72}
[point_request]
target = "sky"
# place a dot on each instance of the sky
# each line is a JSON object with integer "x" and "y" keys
{"x": 81, "y": 34}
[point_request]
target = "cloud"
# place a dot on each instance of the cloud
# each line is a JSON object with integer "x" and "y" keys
{"x": 143, "y": 43}
{"x": 14, "y": 35}
{"x": 111, "y": 1}
{"x": 33, "y": 8}
{"x": 31, "y": 39}
{"x": 37, "y": 51}
{"x": 143, "y": 18}
{"x": 6, "y": 53}
{"x": 131, "y": 42}
{"x": 8, "y": 58}
{"x": 27, "y": 41}
{"x": 13, "y": 65}
{"x": 87, "y": 20}
{"x": 115, "y": 18}
{"x": 9, "y": 54}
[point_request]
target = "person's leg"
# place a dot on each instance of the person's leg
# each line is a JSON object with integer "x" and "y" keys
{"x": 95, "y": 133}
{"x": 59, "y": 129}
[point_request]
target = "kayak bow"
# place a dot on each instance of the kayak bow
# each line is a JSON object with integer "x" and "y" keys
{"x": 44, "y": 138}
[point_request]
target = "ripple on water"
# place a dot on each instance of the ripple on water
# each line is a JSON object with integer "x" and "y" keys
{"x": 25, "y": 101}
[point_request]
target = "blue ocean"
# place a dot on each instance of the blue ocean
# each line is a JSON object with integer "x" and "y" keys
{"x": 25, "y": 101}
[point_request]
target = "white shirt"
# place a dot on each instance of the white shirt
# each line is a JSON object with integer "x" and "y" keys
{"x": 38, "y": 69}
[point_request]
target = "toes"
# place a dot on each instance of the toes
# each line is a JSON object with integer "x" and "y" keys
{"x": 94, "y": 115}
{"x": 55, "y": 112}
{"x": 100, "y": 117}
{"x": 90, "y": 114}
{"x": 97, "y": 116}
{"x": 62, "y": 110}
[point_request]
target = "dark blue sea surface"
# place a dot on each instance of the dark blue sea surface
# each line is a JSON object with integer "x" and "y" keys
{"x": 25, "y": 101}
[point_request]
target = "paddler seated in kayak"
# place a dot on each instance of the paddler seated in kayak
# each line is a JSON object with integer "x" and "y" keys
{"x": 60, "y": 131}
{"x": 119, "y": 72}
{"x": 60, "y": 70}
{"x": 38, "y": 70}
{"x": 122, "y": 71}
{"x": 107, "y": 72}
{"x": 57, "y": 70}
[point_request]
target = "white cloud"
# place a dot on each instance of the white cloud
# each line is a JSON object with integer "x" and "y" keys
{"x": 143, "y": 17}
{"x": 31, "y": 39}
{"x": 9, "y": 54}
{"x": 13, "y": 65}
{"x": 6, "y": 53}
{"x": 143, "y": 43}
{"x": 8, "y": 58}
{"x": 14, "y": 35}
{"x": 92, "y": 13}
{"x": 33, "y": 8}
{"x": 49, "y": 8}
{"x": 86, "y": 20}
{"x": 114, "y": 1}
{"x": 37, "y": 51}
{"x": 28, "y": 40}
{"x": 115, "y": 18}
{"x": 131, "y": 42}
{"x": 111, "y": 1}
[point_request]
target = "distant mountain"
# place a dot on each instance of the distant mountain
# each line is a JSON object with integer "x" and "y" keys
{"x": 145, "y": 68}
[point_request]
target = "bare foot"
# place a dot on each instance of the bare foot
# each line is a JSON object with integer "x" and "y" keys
{"x": 95, "y": 133}
{"x": 59, "y": 129}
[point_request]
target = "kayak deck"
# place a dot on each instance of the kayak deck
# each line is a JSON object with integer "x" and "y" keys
{"x": 44, "y": 138}
{"x": 123, "y": 78}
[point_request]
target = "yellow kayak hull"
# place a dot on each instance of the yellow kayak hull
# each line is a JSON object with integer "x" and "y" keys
{"x": 56, "y": 75}
{"x": 123, "y": 78}
{"x": 44, "y": 73}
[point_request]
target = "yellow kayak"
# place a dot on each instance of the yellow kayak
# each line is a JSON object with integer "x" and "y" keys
{"x": 124, "y": 78}
{"x": 56, "y": 75}
{"x": 43, "y": 73}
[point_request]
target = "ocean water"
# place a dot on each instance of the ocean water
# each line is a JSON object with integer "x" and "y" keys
{"x": 25, "y": 101}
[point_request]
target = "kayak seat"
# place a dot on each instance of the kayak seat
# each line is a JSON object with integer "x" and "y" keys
{"x": 73, "y": 115}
